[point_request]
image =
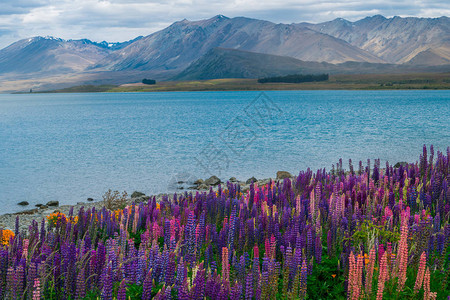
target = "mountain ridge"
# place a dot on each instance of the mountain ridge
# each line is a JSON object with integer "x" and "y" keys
{"x": 178, "y": 45}
{"x": 372, "y": 44}
{"x": 232, "y": 63}
{"x": 395, "y": 40}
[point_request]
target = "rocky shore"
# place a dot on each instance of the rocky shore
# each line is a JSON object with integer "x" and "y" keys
{"x": 8, "y": 221}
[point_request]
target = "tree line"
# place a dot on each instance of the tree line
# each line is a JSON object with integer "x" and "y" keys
{"x": 295, "y": 78}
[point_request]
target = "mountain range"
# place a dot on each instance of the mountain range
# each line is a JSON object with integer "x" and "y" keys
{"x": 222, "y": 47}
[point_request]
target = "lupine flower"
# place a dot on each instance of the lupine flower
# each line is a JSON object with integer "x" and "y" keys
{"x": 420, "y": 273}
{"x": 427, "y": 295}
{"x": 147, "y": 287}
{"x": 370, "y": 268}
{"x": 403, "y": 251}
{"x": 225, "y": 265}
{"x": 122, "y": 292}
{"x": 382, "y": 276}
{"x": 107, "y": 285}
{"x": 36, "y": 289}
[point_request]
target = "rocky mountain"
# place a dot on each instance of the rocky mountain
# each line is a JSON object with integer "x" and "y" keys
{"x": 395, "y": 40}
{"x": 232, "y": 63}
{"x": 54, "y": 55}
{"x": 185, "y": 41}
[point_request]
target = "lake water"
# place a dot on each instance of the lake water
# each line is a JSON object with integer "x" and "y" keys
{"x": 68, "y": 147}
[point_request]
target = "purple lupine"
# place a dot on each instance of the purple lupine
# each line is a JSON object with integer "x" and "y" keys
{"x": 81, "y": 285}
{"x": 107, "y": 289}
{"x": 170, "y": 270}
{"x": 318, "y": 250}
{"x": 198, "y": 292}
{"x": 303, "y": 278}
{"x": 140, "y": 271}
{"x": 190, "y": 237}
{"x": 122, "y": 291}
{"x": 19, "y": 284}
{"x": 10, "y": 290}
{"x": 249, "y": 287}
{"x": 147, "y": 286}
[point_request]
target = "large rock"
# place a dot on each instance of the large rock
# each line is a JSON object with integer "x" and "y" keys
{"x": 137, "y": 194}
{"x": 202, "y": 187}
{"x": 27, "y": 212}
{"x": 52, "y": 203}
{"x": 140, "y": 199}
{"x": 401, "y": 163}
{"x": 250, "y": 180}
{"x": 23, "y": 203}
{"x": 283, "y": 175}
{"x": 245, "y": 188}
{"x": 213, "y": 180}
{"x": 90, "y": 199}
{"x": 233, "y": 179}
{"x": 198, "y": 181}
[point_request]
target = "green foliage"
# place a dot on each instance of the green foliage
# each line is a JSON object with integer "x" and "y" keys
{"x": 148, "y": 81}
{"x": 134, "y": 291}
{"x": 369, "y": 232}
{"x": 322, "y": 284}
{"x": 295, "y": 78}
{"x": 113, "y": 200}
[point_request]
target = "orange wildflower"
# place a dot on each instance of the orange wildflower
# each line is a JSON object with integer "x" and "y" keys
{"x": 5, "y": 236}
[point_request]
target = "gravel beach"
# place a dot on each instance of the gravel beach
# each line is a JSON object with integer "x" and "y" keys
{"x": 8, "y": 221}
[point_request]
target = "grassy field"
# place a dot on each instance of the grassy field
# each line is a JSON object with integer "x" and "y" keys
{"x": 336, "y": 82}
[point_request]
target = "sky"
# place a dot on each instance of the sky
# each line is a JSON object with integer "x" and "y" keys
{"x": 122, "y": 20}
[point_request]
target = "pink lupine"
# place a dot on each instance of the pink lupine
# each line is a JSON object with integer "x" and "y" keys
{"x": 382, "y": 276}
{"x": 26, "y": 242}
{"x": 36, "y": 289}
{"x": 380, "y": 252}
{"x": 426, "y": 284}
{"x": 370, "y": 269}
{"x": 359, "y": 267}
{"x": 402, "y": 253}
{"x": 225, "y": 265}
{"x": 420, "y": 273}
{"x": 352, "y": 281}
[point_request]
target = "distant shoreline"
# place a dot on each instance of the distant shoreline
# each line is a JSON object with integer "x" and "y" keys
{"x": 420, "y": 81}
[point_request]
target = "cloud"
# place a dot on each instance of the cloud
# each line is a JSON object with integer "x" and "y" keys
{"x": 120, "y": 20}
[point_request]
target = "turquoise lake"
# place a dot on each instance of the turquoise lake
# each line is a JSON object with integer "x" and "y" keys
{"x": 69, "y": 147}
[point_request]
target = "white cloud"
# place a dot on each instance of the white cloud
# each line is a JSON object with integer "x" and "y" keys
{"x": 119, "y": 20}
